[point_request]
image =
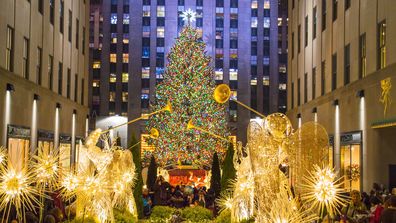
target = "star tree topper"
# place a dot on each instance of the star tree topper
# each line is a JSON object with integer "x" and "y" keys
{"x": 189, "y": 16}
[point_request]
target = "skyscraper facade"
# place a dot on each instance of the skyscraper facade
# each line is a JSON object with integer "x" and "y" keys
{"x": 342, "y": 63}
{"x": 131, "y": 38}
{"x": 43, "y": 77}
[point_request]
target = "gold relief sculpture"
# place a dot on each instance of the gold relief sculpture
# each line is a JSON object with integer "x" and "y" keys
{"x": 385, "y": 98}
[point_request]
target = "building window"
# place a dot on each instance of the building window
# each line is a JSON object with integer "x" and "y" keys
{"x": 60, "y": 78}
{"x": 299, "y": 39}
{"x": 82, "y": 90}
{"x": 77, "y": 32}
{"x": 125, "y": 58}
{"x": 334, "y": 72}
{"x": 68, "y": 83}
{"x": 40, "y": 6}
{"x": 335, "y": 9}
{"x": 161, "y": 32}
{"x": 61, "y": 15}
{"x": 50, "y": 71}
{"x": 25, "y": 62}
{"x": 298, "y": 92}
{"x": 113, "y": 58}
{"x": 362, "y": 56}
{"x": 323, "y": 78}
{"x": 125, "y": 77}
{"x": 146, "y": 10}
{"x": 76, "y": 86}
{"x": 70, "y": 26}
{"x": 113, "y": 18}
{"x": 292, "y": 95}
{"x": 347, "y": 64}
{"x": 324, "y": 12}
{"x": 39, "y": 64}
{"x": 292, "y": 45}
{"x": 314, "y": 22}
{"x": 347, "y": 4}
{"x": 313, "y": 83}
{"x": 160, "y": 11}
{"x": 52, "y": 8}
{"x": 113, "y": 78}
{"x": 305, "y": 87}
{"x": 266, "y": 4}
{"x": 306, "y": 32}
{"x": 125, "y": 19}
{"x": 10, "y": 49}
{"x": 83, "y": 41}
{"x": 96, "y": 65}
{"x": 381, "y": 45}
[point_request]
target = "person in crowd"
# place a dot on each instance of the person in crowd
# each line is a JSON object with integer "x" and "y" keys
{"x": 201, "y": 199}
{"x": 177, "y": 199}
{"x": 209, "y": 199}
{"x": 354, "y": 210}
{"x": 376, "y": 209}
{"x": 147, "y": 204}
{"x": 161, "y": 191}
{"x": 388, "y": 215}
{"x": 366, "y": 200}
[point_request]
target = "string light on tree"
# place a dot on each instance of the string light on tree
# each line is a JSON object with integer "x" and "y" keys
{"x": 189, "y": 84}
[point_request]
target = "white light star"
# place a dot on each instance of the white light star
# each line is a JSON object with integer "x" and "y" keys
{"x": 189, "y": 15}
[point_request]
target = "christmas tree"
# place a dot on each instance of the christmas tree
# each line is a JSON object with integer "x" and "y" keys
{"x": 188, "y": 85}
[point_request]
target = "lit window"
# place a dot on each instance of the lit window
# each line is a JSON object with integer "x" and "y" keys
{"x": 96, "y": 83}
{"x": 282, "y": 87}
{"x": 253, "y": 81}
{"x": 282, "y": 68}
{"x": 233, "y": 115}
{"x": 113, "y": 58}
{"x": 124, "y": 113}
{"x": 114, "y": 40}
{"x": 125, "y": 37}
{"x": 233, "y": 74}
{"x": 145, "y": 96}
{"x": 266, "y": 60}
{"x": 125, "y": 96}
{"x": 125, "y": 77}
{"x": 266, "y": 81}
{"x": 219, "y": 74}
{"x": 146, "y": 11}
{"x": 113, "y": 18}
{"x": 233, "y": 53}
{"x": 234, "y": 95}
{"x": 253, "y": 22}
{"x": 266, "y": 4}
{"x": 113, "y": 78}
{"x": 279, "y": 21}
{"x": 266, "y": 22}
{"x": 145, "y": 72}
{"x": 146, "y": 31}
{"x": 161, "y": 11}
{"x": 96, "y": 65}
{"x": 145, "y": 91}
{"x": 112, "y": 96}
{"x": 125, "y": 20}
{"x": 111, "y": 113}
{"x": 160, "y": 31}
{"x": 254, "y": 4}
{"x": 125, "y": 58}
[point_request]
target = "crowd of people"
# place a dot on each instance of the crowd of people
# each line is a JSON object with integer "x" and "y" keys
{"x": 179, "y": 196}
{"x": 376, "y": 207}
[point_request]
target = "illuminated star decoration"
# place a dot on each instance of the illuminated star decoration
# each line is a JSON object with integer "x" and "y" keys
{"x": 323, "y": 190}
{"x": 189, "y": 16}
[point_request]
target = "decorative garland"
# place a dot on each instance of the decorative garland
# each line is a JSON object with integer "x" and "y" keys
{"x": 353, "y": 172}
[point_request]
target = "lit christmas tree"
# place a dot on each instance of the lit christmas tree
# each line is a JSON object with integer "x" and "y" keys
{"x": 188, "y": 85}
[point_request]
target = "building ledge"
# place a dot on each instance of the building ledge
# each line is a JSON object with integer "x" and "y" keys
{"x": 384, "y": 123}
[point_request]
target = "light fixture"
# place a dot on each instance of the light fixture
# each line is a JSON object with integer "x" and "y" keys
{"x": 10, "y": 87}
{"x": 299, "y": 115}
{"x": 335, "y": 102}
{"x": 315, "y": 110}
{"x": 36, "y": 97}
{"x": 360, "y": 94}
{"x": 58, "y": 105}
{"x": 74, "y": 111}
